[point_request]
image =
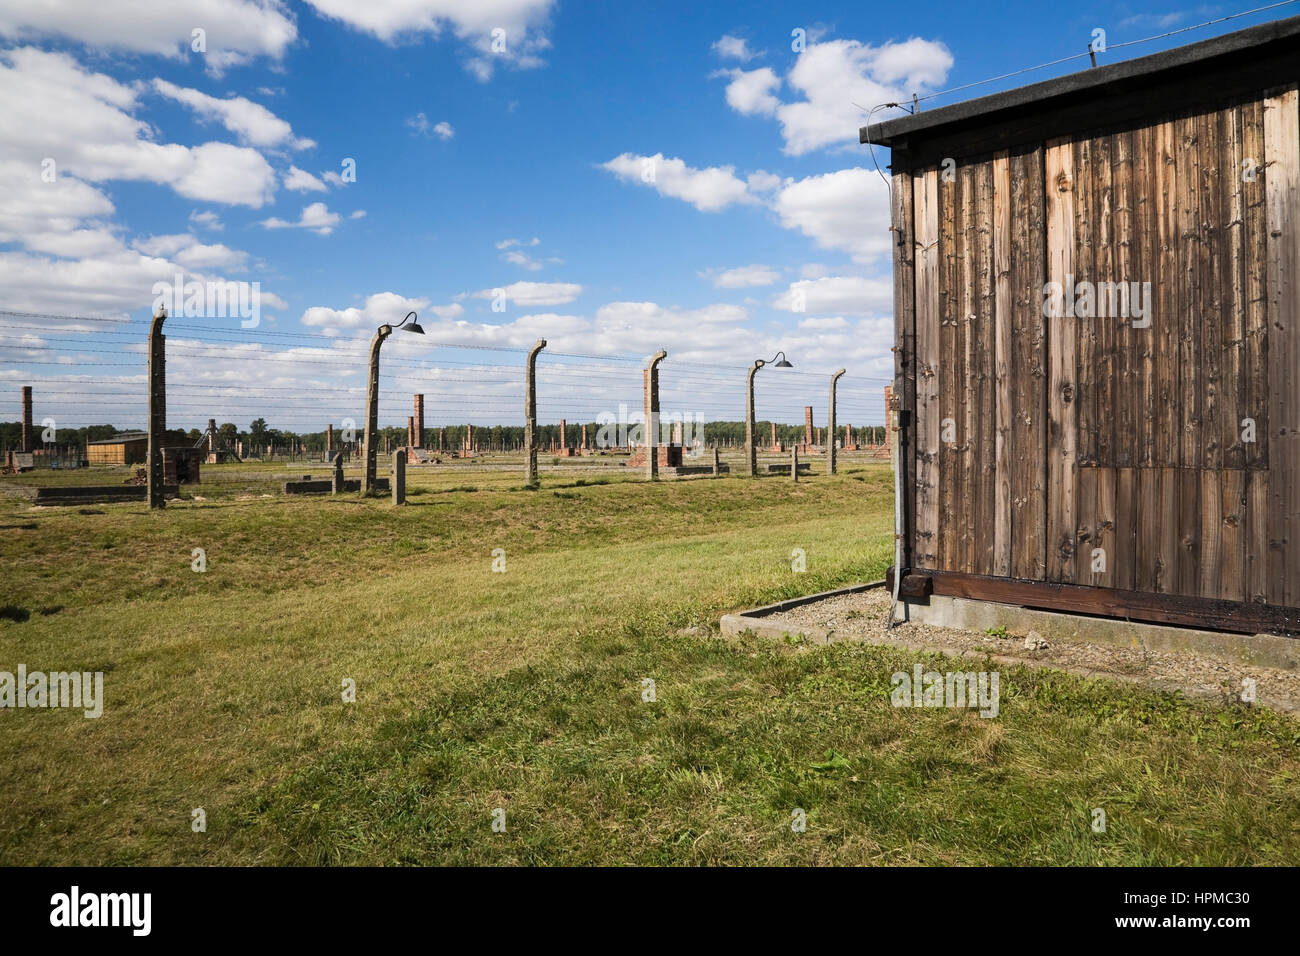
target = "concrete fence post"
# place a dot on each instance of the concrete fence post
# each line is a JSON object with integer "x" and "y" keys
{"x": 717, "y": 461}
{"x": 652, "y": 416}
{"x": 157, "y": 408}
{"x": 372, "y": 412}
{"x": 794, "y": 463}
{"x": 751, "y": 446}
{"x": 337, "y": 486}
{"x": 399, "y": 477}
{"x": 830, "y": 426}
{"x": 530, "y": 414}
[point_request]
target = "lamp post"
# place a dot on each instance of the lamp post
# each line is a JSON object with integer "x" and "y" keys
{"x": 652, "y": 416}
{"x": 530, "y": 414}
{"x": 830, "y": 425}
{"x": 372, "y": 399}
{"x": 751, "y": 448}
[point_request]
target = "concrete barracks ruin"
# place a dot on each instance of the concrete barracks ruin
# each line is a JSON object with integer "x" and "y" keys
{"x": 1098, "y": 330}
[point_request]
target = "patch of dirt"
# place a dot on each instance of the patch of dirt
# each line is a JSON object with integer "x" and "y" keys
{"x": 862, "y": 616}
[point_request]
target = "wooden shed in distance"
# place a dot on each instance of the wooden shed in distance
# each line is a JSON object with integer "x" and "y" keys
{"x": 1097, "y": 301}
{"x": 128, "y": 448}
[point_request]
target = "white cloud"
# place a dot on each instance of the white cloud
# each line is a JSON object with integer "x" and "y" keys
{"x": 849, "y": 295}
{"x": 207, "y": 220}
{"x": 733, "y": 48}
{"x": 744, "y": 277}
{"x": 528, "y": 294}
{"x": 831, "y": 78}
{"x": 316, "y": 217}
{"x": 523, "y": 21}
{"x": 236, "y": 30}
{"x": 252, "y": 122}
{"x": 522, "y": 259}
{"x": 847, "y": 210}
{"x": 750, "y": 92}
{"x": 383, "y": 308}
{"x": 420, "y": 123}
{"x": 514, "y": 254}
{"x": 187, "y": 251}
{"x": 52, "y": 108}
{"x": 202, "y": 257}
{"x": 708, "y": 190}
{"x": 300, "y": 181}
{"x": 833, "y": 324}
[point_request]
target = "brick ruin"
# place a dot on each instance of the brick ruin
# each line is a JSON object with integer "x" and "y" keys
{"x": 27, "y": 419}
{"x": 776, "y": 445}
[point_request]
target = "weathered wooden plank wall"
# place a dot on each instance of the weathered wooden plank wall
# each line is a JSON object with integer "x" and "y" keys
{"x": 1098, "y": 448}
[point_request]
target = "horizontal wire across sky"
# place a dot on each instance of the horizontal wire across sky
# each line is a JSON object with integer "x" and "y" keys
{"x": 87, "y": 371}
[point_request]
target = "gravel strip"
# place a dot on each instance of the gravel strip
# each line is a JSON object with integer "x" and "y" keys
{"x": 862, "y": 616}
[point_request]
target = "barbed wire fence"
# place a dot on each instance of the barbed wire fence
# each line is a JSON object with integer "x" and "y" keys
{"x": 88, "y": 372}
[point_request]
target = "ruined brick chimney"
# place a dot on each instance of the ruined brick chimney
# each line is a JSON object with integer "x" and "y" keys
{"x": 27, "y": 418}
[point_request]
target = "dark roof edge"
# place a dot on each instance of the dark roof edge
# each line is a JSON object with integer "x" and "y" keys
{"x": 1039, "y": 94}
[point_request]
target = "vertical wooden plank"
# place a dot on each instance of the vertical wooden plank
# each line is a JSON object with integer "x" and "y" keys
{"x": 905, "y": 358}
{"x": 1257, "y": 556}
{"x": 1148, "y": 570}
{"x": 1282, "y": 212}
{"x": 1145, "y": 253}
{"x": 1029, "y": 385}
{"x": 1211, "y": 559}
{"x": 967, "y": 496}
{"x": 1255, "y": 273}
{"x": 1188, "y": 573}
{"x": 1166, "y": 422}
{"x": 1085, "y": 385}
{"x": 1004, "y": 448}
{"x": 984, "y": 348}
{"x": 1167, "y": 558}
{"x": 1124, "y": 566}
{"x": 951, "y": 380}
{"x": 1232, "y": 514}
{"x": 1209, "y": 340}
{"x": 1036, "y": 265}
{"x": 1061, "y": 340}
{"x": 925, "y": 201}
{"x": 1107, "y": 390}
{"x": 1122, "y": 246}
{"x": 1188, "y": 394}
{"x": 1085, "y": 515}
{"x": 1106, "y": 526}
{"x": 1234, "y": 393}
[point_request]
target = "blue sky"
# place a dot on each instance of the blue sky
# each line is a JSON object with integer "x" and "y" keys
{"x": 477, "y": 169}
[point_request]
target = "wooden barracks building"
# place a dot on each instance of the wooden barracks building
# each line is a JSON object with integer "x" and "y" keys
{"x": 1097, "y": 300}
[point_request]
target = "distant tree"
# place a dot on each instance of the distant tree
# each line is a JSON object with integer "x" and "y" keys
{"x": 227, "y": 434}
{"x": 257, "y": 434}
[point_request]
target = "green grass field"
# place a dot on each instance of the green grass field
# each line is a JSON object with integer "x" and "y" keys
{"x": 523, "y": 691}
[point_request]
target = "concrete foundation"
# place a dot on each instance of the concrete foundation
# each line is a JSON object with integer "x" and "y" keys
{"x": 1263, "y": 650}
